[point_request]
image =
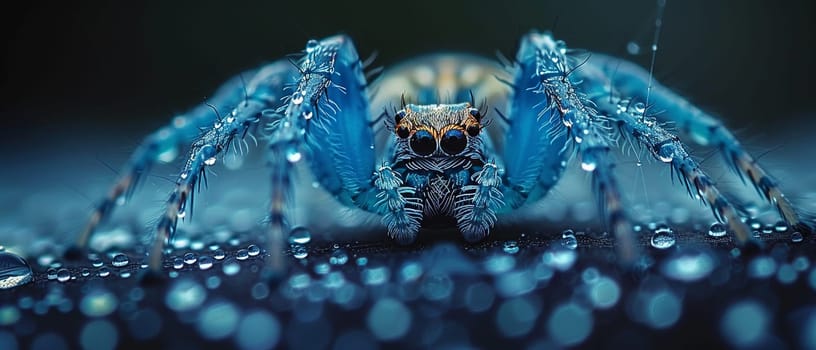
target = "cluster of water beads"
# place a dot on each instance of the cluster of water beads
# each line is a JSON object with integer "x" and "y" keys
{"x": 299, "y": 237}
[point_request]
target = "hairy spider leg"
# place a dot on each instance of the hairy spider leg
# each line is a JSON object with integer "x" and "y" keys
{"x": 263, "y": 93}
{"x": 164, "y": 144}
{"x": 550, "y": 113}
{"x": 325, "y": 121}
{"x": 667, "y": 148}
{"x": 631, "y": 80}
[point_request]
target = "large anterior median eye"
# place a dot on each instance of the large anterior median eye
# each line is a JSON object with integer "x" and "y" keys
{"x": 423, "y": 143}
{"x": 453, "y": 142}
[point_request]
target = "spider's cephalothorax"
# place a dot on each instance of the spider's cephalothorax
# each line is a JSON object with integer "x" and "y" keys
{"x": 438, "y": 153}
{"x": 444, "y": 164}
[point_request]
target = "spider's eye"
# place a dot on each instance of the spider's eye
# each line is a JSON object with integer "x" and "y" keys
{"x": 423, "y": 143}
{"x": 453, "y": 142}
{"x": 398, "y": 116}
{"x": 403, "y": 132}
{"x": 473, "y": 130}
{"x": 475, "y": 113}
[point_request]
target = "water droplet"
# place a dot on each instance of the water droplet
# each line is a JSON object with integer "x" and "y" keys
{"x": 298, "y": 251}
{"x": 410, "y": 271}
{"x": 663, "y": 238}
{"x": 797, "y": 237}
{"x": 178, "y": 263}
{"x": 688, "y": 266}
{"x": 640, "y": 108}
{"x": 258, "y": 329}
{"x": 98, "y": 303}
{"x": 300, "y": 235}
{"x": 498, "y": 264}
{"x": 666, "y": 152}
{"x": 604, "y": 293}
{"x": 231, "y": 267}
{"x": 744, "y": 323}
{"x": 242, "y": 254}
{"x": 568, "y": 239}
{"x": 219, "y": 254}
{"x": 185, "y": 295}
{"x": 85, "y": 272}
{"x": 205, "y": 262}
{"x": 559, "y": 259}
{"x": 511, "y": 247}
{"x": 717, "y": 230}
{"x": 297, "y": 97}
{"x": 322, "y": 268}
{"x": 14, "y": 271}
{"x": 479, "y": 297}
{"x": 293, "y": 155}
{"x": 103, "y": 272}
{"x": 801, "y": 263}
{"x": 253, "y": 250}
{"x": 63, "y": 275}
{"x": 51, "y": 273}
{"x": 210, "y": 161}
{"x": 786, "y": 274}
{"x": 762, "y": 267}
{"x": 190, "y": 258}
{"x": 218, "y": 321}
{"x": 375, "y": 275}
{"x": 389, "y": 319}
{"x": 570, "y": 324}
{"x": 95, "y": 261}
{"x": 338, "y": 257}
{"x": 633, "y": 48}
{"x": 516, "y": 317}
{"x": 312, "y": 45}
{"x": 781, "y": 226}
{"x": 119, "y": 260}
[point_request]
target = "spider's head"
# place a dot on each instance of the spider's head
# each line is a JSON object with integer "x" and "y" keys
{"x": 437, "y": 130}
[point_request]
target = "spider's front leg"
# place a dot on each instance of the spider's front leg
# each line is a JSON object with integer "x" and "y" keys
{"x": 325, "y": 121}
{"x": 250, "y": 92}
{"x": 548, "y": 117}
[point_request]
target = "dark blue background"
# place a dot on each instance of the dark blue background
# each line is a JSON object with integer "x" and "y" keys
{"x": 126, "y": 67}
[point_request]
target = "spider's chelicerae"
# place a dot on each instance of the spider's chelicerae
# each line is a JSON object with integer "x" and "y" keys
{"x": 439, "y": 162}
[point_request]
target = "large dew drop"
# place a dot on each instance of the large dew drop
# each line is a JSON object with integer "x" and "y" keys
{"x": 14, "y": 271}
{"x": 663, "y": 238}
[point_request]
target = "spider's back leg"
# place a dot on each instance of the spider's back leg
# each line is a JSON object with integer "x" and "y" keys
{"x": 263, "y": 86}
{"x": 702, "y": 128}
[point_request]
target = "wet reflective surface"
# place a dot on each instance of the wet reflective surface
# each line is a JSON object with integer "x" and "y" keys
{"x": 536, "y": 293}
